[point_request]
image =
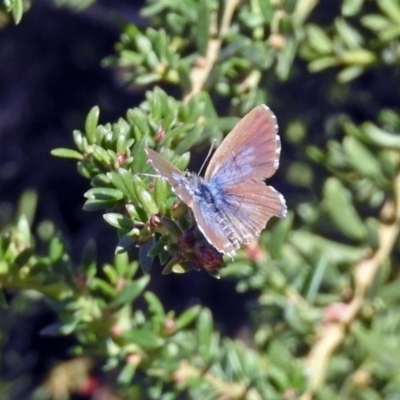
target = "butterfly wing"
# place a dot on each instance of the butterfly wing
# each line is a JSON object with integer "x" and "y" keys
{"x": 249, "y": 206}
{"x": 173, "y": 175}
{"x": 214, "y": 228}
{"x": 248, "y": 155}
{"x": 250, "y": 151}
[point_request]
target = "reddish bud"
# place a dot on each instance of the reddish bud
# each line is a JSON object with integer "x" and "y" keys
{"x": 80, "y": 280}
{"x": 133, "y": 359}
{"x": 121, "y": 159}
{"x": 187, "y": 240}
{"x": 276, "y": 41}
{"x": 180, "y": 256}
{"x": 89, "y": 386}
{"x": 155, "y": 220}
{"x": 337, "y": 312}
{"x": 160, "y": 134}
{"x": 254, "y": 252}
{"x": 207, "y": 256}
{"x": 170, "y": 325}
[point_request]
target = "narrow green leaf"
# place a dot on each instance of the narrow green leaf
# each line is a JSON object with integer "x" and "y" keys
{"x": 202, "y": 26}
{"x": 338, "y": 203}
{"x": 139, "y": 156}
{"x": 147, "y": 201}
{"x": 146, "y": 262}
{"x": 391, "y": 8}
{"x": 66, "y": 153}
{"x": 362, "y": 160}
{"x": 155, "y": 305}
{"x": 131, "y": 291}
{"x": 56, "y": 249}
{"x": 119, "y": 221}
{"x": 204, "y": 331}
{"x": 91, "y": 123}
{"x": 96, "y": 205}
{"x": 187, "y": 317}
{"x": 156, "y": 249}
{"x": 144, "y": 338}
{"x": 17, "y": 10}
{"x": 170, "y": 265}
{"x": 104, "y": 194}
{"x": 124, "y": 244}
{"x": 23, "y": 257}
{"x": 318, "y": 39}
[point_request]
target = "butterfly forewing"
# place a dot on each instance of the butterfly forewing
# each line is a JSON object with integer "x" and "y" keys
{"x": 250, "y": 151}
{"x": 173, "y": 175}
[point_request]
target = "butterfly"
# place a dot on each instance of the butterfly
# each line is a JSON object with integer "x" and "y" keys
{"x": 232, "y": 203}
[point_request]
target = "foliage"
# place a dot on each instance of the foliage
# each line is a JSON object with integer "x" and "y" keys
{"x": 325, "y": 280}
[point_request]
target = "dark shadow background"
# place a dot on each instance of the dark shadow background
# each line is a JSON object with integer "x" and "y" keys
{"x": 50, "y": 77}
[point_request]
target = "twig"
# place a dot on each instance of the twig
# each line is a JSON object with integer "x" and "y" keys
{"x": 202, "y": 69}
{"x": 332, "y": 335}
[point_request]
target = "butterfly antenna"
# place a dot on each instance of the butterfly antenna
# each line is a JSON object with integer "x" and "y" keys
{"x": 208, "y": 155}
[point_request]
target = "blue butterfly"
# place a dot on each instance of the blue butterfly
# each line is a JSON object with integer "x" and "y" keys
{"x": 232, "y": 203}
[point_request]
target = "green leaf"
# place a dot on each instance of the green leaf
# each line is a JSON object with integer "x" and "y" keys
{"x": 119, "y": 221}
{"x": 311, "y": 243}
{"x": 202, "y": 26}
{"x": 171, "y": 226}
{"x": 182, "y": 267}
{"x": 187, "y": 317}
{"x": 362, "y": 160}
{"x": 139, "y": 156}
{"x": 339, "y": 205}
{"x": 391, "y": 8}
{"x": 66, "y": 153}
{"x": 79, "y": 140}
{"x": 156, "y": 248}
{"x": 124, "y": 244}
{"x": 164, "y": 256}
{"x": 376, "y": 22}
{"x": 96, "y": 205}
{"x": 146, "y": 339}
{"x": 104, "y": 194}
{"x": 351, "y": 7}
{"x": 146, "y": 262}
{"x": 23, "y": 257}
{"x": 131, "y": 291}
{"x": 147, "y": 201}
{"x": 380, "y": 137}
{"x": 91, "y": 123}
{"x": 125, "y": 377}
{"x": 318, "y": 39}
{"x": 155, "y": 305}
{"x": 123, "y": 181}
{"x": 57, "y": 249}
{"x": 162, "y": 191}
{"x": 350, "y": 73}
{"x": 17, "y": 10}
{"x": 170, "y": 264}
{"x": 204, "y": 332}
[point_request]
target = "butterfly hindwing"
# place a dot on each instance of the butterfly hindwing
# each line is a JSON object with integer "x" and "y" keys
{"x": 250, "y": 205}
{"x": 214, "y": 229}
